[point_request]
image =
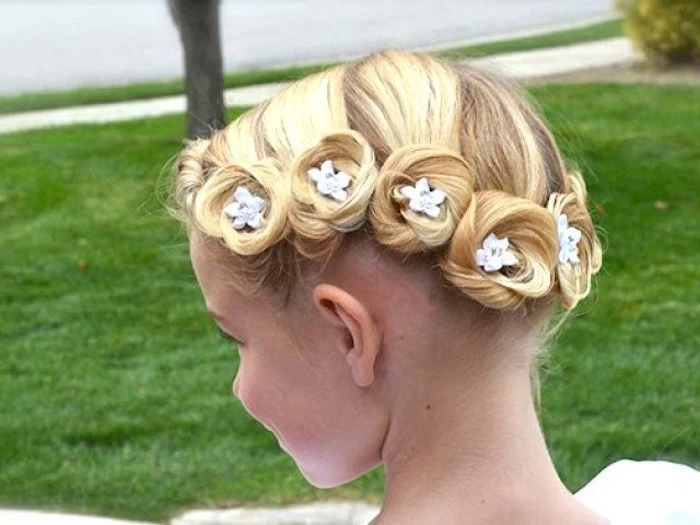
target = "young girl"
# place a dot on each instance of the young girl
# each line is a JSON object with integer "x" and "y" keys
{"x": 387, "y": 241}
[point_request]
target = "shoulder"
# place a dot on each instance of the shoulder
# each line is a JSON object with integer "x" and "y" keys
{"x": 645, "y": 493}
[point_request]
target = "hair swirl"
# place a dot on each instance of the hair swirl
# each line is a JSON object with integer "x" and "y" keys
{"x": 262, "y": 178}
{"x": 318, "y": 221}
{"x": 404, "y": 230}
{"x": 574, "y": 280}
{"x": 532, "y": 237}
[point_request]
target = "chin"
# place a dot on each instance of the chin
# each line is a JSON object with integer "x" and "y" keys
{"x": 324, "y": 482}
{"x": 330, "y": 476}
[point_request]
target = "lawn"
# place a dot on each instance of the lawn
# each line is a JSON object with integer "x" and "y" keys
{"x": 145, "y": 90}
{"x": 115, "y": 387}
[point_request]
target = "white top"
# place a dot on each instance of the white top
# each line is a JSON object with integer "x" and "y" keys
{"x": 631, "y": 492}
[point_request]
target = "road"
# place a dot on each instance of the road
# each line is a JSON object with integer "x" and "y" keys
{"x": 61, "y": 44}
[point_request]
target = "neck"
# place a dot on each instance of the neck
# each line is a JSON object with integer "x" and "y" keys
{"x": 472, "y": 451}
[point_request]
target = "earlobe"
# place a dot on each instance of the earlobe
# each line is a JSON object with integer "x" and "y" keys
{"x": 363, "y": 341}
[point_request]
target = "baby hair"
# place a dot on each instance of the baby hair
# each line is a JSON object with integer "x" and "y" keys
{"x": 387, "y": 121}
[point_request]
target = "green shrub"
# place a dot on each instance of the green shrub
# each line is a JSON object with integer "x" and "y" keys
{"x": 666, "y": 31}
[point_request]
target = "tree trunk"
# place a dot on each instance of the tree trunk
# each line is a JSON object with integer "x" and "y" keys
{"x": 198, "y": 24}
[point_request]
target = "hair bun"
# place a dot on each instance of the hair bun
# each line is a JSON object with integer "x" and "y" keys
{"x": 397, "y": 225}
{"x": 573, "y": 281}
{"x": 319, "y": 220}
{"x": 263, "y": 179}
{"x": 532, "y": 238}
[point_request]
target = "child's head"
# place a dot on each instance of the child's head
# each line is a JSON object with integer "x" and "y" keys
{"x": 354, "y": 295}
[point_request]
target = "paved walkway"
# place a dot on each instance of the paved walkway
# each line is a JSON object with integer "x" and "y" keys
{"x": 321, "y": 513}
{"x": 25, "y": 517}
{"x": 522, "y": 65}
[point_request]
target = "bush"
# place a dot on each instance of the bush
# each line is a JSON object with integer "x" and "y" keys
{"x": 666, "y": 31}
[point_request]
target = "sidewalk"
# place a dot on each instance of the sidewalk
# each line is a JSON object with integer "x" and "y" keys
{"x": 521, "y": 65}
{"x": 321, "y": 513}
{"x": 30, "y": 517}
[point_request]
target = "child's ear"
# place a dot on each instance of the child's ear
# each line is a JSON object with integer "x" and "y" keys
{"x": 363, "y": 338}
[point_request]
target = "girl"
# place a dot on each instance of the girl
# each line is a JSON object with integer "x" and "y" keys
{"x": 387, "y": 241}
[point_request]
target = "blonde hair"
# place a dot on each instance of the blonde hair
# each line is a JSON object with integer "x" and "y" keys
{"x": 387, "y": 120}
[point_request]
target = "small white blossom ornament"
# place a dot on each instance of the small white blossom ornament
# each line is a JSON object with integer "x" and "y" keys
{"x": 495, "y": 254}
{"x": 329, "y": 182}
{"x": 568, "y": 240}
{"x": 423, "y": 199}
{"x": 246, "y": 209}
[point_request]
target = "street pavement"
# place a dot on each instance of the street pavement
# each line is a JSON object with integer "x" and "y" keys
{"x": 64, "y": 44}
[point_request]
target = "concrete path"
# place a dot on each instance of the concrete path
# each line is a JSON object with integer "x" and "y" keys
{"x": 522, "y": 65}
{"x": 321, "y": 513}
{"x": 63, "y": 44}
{"x": 24, "y": 517}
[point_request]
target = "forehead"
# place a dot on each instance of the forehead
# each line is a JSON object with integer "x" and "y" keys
{"x": 228, "y": 298}
{"x": 215, "y": 277}
{"x": 204, "y": 261}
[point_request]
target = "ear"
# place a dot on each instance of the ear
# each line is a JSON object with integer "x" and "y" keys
{"x": 346, "y": 312}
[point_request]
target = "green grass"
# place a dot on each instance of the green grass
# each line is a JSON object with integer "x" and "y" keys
{"x": 94, "y": 95}
{"x": 115, "y": 389}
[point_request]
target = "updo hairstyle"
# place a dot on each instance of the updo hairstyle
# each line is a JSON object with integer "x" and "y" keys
{"x": 387, "y": 121}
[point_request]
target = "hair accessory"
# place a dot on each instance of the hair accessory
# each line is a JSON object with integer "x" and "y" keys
{"x": 246, "y": 209}
{"x": 494, "y": 254}
{"x": 423, "y": 199}
{"x": 329, "y": 182}
{"x": 568, "y": 239}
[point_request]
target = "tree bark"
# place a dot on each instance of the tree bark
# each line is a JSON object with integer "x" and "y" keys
{"x": 198, "y": 24}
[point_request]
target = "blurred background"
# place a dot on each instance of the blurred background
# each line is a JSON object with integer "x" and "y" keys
{"x": 58, "y": 44}
{"x": 114, "y": 385}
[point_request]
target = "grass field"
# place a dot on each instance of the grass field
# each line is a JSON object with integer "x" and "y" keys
{"x": 145, "y": 90}
{"x": 115, "y": 388}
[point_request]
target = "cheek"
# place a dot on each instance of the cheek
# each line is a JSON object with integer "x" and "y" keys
{"x": 330, "y": 427}
{"x": 269, "y": 389}
{"x": 339, "y": 441}
{"x": 333, "y": 430}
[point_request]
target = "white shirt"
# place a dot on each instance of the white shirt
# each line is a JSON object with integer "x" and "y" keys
{"x": 631, "y": 492}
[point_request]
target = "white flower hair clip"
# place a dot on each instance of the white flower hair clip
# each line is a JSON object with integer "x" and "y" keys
{"x": 495, "y": 254}
{"x": 246, "y": 209}
{"x": 423, "y": 199}
{"x": 329, "y": 182}
{"x": 568, "y": 240}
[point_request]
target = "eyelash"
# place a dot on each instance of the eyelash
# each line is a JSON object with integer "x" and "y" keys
{"x": 227, "y": 337}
